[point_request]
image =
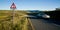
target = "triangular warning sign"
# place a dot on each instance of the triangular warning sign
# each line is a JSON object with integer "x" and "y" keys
{"x": 13, "y": 6}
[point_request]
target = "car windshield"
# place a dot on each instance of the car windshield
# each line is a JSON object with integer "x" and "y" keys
{"x": 41, "y": 13}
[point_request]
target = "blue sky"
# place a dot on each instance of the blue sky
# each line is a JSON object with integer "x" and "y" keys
{"x": 31, "y": 4}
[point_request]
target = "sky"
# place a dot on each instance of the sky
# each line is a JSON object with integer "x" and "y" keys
{"x": 30, "y": 4}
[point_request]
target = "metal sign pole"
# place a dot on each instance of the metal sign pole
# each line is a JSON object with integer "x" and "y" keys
{"x": 13, "y": 7}
{"x": 13, "y": 13}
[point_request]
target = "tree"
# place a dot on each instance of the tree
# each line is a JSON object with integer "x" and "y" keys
{"x": 57, "y": 9}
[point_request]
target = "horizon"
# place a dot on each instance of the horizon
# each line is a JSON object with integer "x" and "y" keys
{"x": 29, "y": 10}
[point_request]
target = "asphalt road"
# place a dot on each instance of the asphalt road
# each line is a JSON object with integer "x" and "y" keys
{"x": 40, "y": 24}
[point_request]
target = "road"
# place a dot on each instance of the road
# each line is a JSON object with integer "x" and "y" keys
{"x": 40, "y": 24}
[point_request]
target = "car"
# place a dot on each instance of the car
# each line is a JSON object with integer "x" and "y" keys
{"x": 43, "y": 15}
{"x": 39, "y": 15}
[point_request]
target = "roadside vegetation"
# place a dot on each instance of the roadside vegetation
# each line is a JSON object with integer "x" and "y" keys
{"x": 7, "y": 23}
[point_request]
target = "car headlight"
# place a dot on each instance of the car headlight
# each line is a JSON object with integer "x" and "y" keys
{"x": 48, "y": 16}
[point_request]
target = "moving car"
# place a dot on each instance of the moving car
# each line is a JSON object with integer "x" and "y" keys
{"x": 38, "y": 14}
{"x": 42, "y": 15}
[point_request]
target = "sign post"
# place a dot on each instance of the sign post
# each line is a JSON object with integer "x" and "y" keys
{"x": 13, "y": 7}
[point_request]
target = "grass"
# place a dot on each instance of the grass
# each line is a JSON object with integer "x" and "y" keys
{"x": 6, "y": 22}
